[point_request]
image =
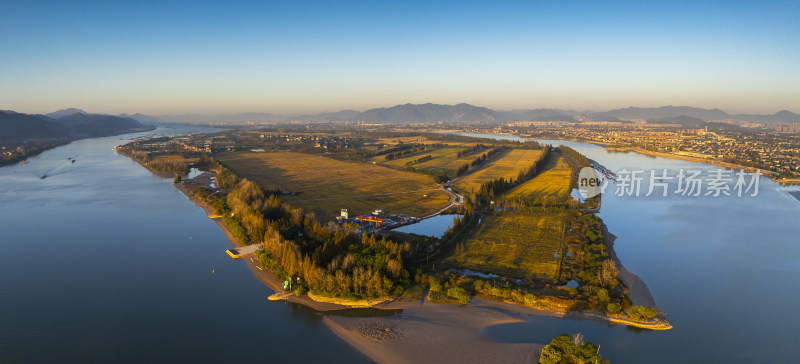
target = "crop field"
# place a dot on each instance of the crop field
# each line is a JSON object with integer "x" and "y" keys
{"x": 515, "y": 244}
{"x": 417, "y": 140}
{"x": 507, "y": 166}
{"x": 403, "y": 140}
{"x": 553, "y": 182}
{"x": 438, "y": 156}
{"x": 325, "y": 185}
{"x": 451, "y": 167}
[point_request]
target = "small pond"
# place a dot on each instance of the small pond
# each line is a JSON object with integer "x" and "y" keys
{"x": 435, "y": 226}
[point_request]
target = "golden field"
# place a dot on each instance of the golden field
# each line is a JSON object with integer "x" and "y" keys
{"x": 326, "y": 185}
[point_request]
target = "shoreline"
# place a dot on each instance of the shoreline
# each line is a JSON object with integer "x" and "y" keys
{"x": 427, "y": 331}
{"x": 265, "y": 276}
{"x": 772, "y": 175}
{"x": 638, "y": 293}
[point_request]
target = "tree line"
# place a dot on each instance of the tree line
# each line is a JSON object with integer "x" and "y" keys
{"x": 420, "y": 160}
{"x": 329, "y": 260}
{"x": 470, "y": 150}
{"x": 489, "y": 190}
{"x": 477, "y": 161}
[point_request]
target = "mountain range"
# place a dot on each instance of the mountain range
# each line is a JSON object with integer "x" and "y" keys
{"x": 466, "y": 113}
{"x": 63, "y": 124}
{"x": 76, "y": 123}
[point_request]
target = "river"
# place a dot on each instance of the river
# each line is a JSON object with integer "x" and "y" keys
{"x": 726, "y": 270}
{"x": 104, "y": 262}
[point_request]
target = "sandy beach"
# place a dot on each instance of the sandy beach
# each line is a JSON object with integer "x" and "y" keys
{"x": 434, "y": 333}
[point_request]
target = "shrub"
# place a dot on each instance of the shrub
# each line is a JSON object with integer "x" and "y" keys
{"x": 550, "y": 355}
{"x": 602, "y": 295}
{"x": 565, "y": 349}
{"x": 642, "y": 313}
{"x": 459, "y": 294}
{"x": 614, "y": 307}
{"x": 435, "y": 285}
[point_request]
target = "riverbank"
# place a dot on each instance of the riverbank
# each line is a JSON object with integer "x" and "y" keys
{"x": 770, "y": 174}
{"x": 30, "y": 151}
{"x": 263, "y": 275}
{"x": 638, "y": 292}
{"x": 425, "y": 331}
{"x": 774, "y": 176}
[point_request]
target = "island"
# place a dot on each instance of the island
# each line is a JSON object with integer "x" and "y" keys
{"x": 315, "y": 214}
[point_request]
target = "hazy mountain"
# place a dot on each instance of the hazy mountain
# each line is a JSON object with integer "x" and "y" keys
{"x": 460, "y": 113}
{"x": 540, "y": 115}
{"x": 783, "y": 116}
{"x": 65, "y": 112}
{"x": 663, "y": 112}
{"x": 16, "y": 127}
{"x": 146, "y": 119}
{"x": 683, "y": 120}
{"x": 256, "y": 117}
{"x": 787, "y": 116}
{"x": 94, "y": 125}
{"x": 342, "y": 115}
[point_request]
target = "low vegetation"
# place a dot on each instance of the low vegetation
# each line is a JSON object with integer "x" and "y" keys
{"x": 324, "y": 186}
{"x": 553, "y": 183}
{"x": 513, "y": 244}
{"x": 564, "y": 349}
{"x": 328, "y": 260}
{"x": 508, "y": 166}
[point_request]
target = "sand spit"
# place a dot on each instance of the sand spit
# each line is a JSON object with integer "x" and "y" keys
{"x": 434, "y": 333}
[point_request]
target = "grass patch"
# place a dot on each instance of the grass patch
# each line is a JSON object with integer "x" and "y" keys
{"x": 414, "y": 293}
{"x": 451, "y": 167}
{"x": 325, "y": 185}
{"x": 518, "y": 245}
{"x": 553, "y": 182}
{"x": 438, "y": 156}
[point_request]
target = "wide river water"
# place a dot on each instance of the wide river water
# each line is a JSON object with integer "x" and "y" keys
{"x": 104, "y": 262}
{"x": 726, "y": 270}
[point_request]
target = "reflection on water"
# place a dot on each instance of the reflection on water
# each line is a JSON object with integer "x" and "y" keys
{"x": 724, "y": 269}
{"x": 434, "y": 226}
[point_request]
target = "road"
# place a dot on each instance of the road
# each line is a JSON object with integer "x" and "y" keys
{"x": 455, "y": 200}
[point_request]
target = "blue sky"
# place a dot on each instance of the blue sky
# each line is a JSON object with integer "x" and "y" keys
{"x": 296, "y": 57}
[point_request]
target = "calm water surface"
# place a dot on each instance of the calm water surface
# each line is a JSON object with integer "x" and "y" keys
{"x": 434, "y": 226}
{"x": 104, "y": 262}
{"x": 726, "y": 271}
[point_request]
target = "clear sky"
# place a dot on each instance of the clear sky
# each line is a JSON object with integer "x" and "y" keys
{"x": 167, "y": 57}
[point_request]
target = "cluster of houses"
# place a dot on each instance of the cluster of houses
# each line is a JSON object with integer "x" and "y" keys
{"x": 376, "y": 220}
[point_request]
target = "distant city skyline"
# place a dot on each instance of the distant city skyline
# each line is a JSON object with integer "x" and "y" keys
{"x": 304, "y": 58}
